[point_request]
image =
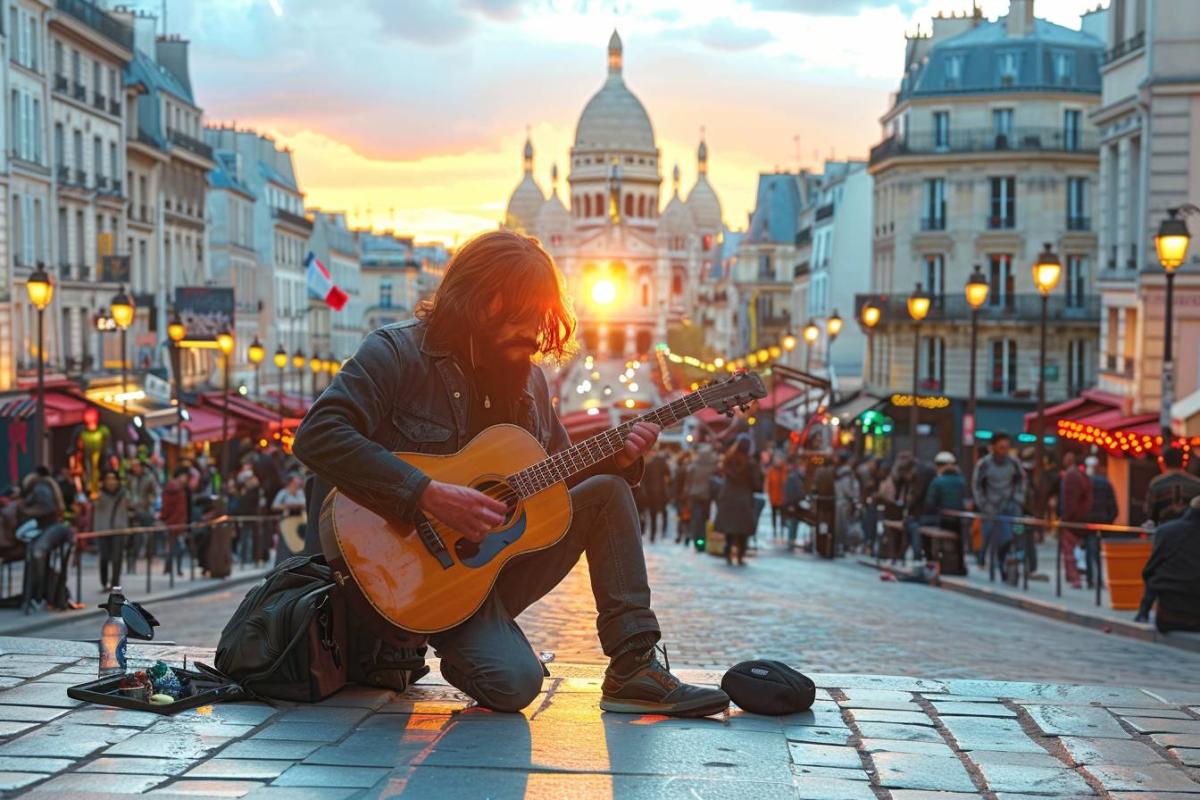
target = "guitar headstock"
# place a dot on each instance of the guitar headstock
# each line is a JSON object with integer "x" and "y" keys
{"x": 739, "y": 390}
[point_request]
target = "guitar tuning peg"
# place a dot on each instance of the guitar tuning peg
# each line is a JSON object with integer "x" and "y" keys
{"x": 729, "y": 413}
{"x": 744, "y": 406}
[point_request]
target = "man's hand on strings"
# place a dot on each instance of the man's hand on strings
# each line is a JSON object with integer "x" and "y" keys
{"x": 641, "y": 438}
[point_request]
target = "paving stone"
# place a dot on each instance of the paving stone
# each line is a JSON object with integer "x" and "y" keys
{"x": 360, "y": 697}
{"x": 8, "y": 728}
{"x": 1151, "y": 725}
{"x": 921, "y": 794}
{"x": 833, "y": 773}
{"x": 407, "y": 706}
{"x": 849, "y": 682}
{"x": 202, "y": 788}
{"x": 1152, "y": 778}
{"x": 959, "y": 709}
{"x": 1019, "y": 796}
{"x": 304, "y": 731}
{"x": 914, "y": 771}
{"x": 432, "y": 782}
{"x": 60, "y": 740}
{"x": 1176, "y": 739}
{"x": 167, "y": 745}
{"x": 25, "y": 764}
{"x": 139, "y": 766}
{"x": 1188, "y": 755}
{"x": 94, "y": 715}
{"x": 916, "y": 717}
{"x": 1055, "y": 694}
{"x": 269, "y": 748}
{"x": 92, "y": 782}
{"x": 232, "y": 713}
{"x": 371, "y": 749}
{"x": 818, "y": 735}
{"x": 988, "y": 733}
{"x": 30, "y": 713}
{"x": 881, "y": 705}
{"x": 25, "y": 669}
{"x": 39, "y": 694}
{"x": 1109, "y": 751}
{"x": 11, "y": 781}
{"x": 337, "y": 715}
{"x": 1152, "y": 796}
{"x": 198, "y": 726}
{"x": 1095, "y": 723}
{"x": 297, "y": 793}
{"x": 825, "y": 755}
{"x": 239, "y": 769}
{"x": 833, "y": 789}
{"x": 328, "y": 776}
{"x": 1006, "y": 758}
{"x": 883, "y": 695}
{"x": 891, "y": 730}
{"x": 1175, "y": 697}
{"x": 1037, "y": 780}
{"x": 900, "y": 746}
{"x": 1165, "y": 712}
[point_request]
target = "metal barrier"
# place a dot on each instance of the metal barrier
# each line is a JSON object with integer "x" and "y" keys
{"x": 1029, "y": 524}
{"x": 187, "y": 531}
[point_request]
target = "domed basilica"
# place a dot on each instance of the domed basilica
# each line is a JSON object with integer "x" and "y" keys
{"x": 632, "y": 264}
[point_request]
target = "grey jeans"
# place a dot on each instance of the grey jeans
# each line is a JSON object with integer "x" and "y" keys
{"x": 488, "y": 656}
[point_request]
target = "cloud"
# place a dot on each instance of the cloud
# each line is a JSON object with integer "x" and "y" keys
{"x": 424, "y": 22}
{"x": 502, "y": 10}
{"x": 832, "y": 8}
{"x": 725, "y": 34}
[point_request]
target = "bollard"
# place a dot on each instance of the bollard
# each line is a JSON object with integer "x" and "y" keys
{"x": 171, "y": 535}
{"x": 1058, "y": 565}
{"x": 149, "y": 560}
{"x": 78, "y": 574}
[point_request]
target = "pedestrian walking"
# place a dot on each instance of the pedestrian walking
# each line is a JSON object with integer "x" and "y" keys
{"x": 656, "y": 486}
{"x": 700, "y": 481}
{"x": 793, "y": 497}
{"x": 998, "y": 486}
{"x": 679, "y": 495}
{"x": 143, "y": 496}
{"x": 777, "y": 474}
{"x": 1076, "y": 506}
{"x": 175, "y": 515}
{"x": 947, "y": 492}
{"x": 41, "y": 503}
{"x": 1171, "y": 574}
{"x": 1104, "y": 512}
{"x": 112, "y": 512}
{"x": 735, "y": 518}
{"x": 848, "y": 505}
{"x": 1168, "y": 495}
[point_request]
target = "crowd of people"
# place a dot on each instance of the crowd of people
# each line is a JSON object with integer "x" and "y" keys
{"x": 181, "y": 510}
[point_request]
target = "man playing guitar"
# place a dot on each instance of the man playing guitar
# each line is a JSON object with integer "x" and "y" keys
{"x": 429, "y": 385}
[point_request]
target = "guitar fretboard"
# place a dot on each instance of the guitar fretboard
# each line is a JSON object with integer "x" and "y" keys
{"x": 575, "y": 459}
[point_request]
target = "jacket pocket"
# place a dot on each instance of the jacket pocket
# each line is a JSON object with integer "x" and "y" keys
{"x": 422, "y": 433}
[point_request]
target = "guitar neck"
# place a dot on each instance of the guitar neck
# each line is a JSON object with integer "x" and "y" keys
{"x": 581, "y": 457}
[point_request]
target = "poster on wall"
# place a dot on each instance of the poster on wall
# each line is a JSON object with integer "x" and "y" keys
{"x": 16, "y": 450}
{"x": 205, "y": 311}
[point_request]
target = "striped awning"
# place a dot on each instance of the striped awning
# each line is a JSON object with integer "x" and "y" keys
{"x": 20, "y": 406}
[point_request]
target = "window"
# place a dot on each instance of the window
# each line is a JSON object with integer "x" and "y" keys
{"x": 76, "y": 68}
{"x": 1004, "y": 203}
{"x": 935, "y": 205}
{"x": 954, "y": 69}
{"x": 59, "y": 62}
{"x": 32, "y": 49}
{"x": 933, "y": 363}
{"x": 1072, "y": 124}
{"x": 645, "y": 294}
{"x": 941, "y": 130}
{"x": 1064, "y": 67}
{"x": 599, "y": 205}
{"x": 1077, "y": 363}
{"x": 113, "y": 169}
{"x": 1002, "y": 126}
{"x": 1000, "y": 279}
{"x": 935, "y": 277}
{"x": 1076, "y": 281}
{"x": 628, "y": 205}
{"x": 1008, "y": 66}
{"x": 765, "y": 271}
{"x": 1003, "y": 366}
{"x": 641, "y": 207}
{"x": 97, "y": 159}
{"x": 1077, "y": 214}
{"x": 97, "y": 82}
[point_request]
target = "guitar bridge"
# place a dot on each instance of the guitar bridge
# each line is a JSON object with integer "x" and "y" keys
{"x": 433, "y": 543}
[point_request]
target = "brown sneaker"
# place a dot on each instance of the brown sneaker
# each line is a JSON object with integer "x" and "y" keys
{"x": 651, "y": 689}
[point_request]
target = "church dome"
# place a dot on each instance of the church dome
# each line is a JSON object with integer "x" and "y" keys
{"x": 676, "y": 218}
{"x": 614, "y": 119}
{"x": 553, "y": 218}
{"x": 527, "y": 199}
{"x": 702, "y": 200}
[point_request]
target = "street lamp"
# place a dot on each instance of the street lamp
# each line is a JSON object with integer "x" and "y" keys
{"x": 281, "y": 361}
{"x": 1172, "y": 245}
{"x": 977, "y": 294}
{"x": 40, "y": 288}
{"x": 1046, "y": 272}
{"x": 122, "y": 313}
{"x": 918, "y": 308}
{"x": 176, "y": 331}
{"x": 870, "y": 316}
{"x": 298, "y": 361}
{"x": 225, "y": 344}
{"x": 833, "y": 326}
{"x": 256, "y": 353}
{"x": 316, "y": 365}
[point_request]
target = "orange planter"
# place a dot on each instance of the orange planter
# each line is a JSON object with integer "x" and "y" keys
{"x": 1124, "y": 560}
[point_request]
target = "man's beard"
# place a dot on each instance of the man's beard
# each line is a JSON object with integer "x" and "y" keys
{"x": 502, "y": 372}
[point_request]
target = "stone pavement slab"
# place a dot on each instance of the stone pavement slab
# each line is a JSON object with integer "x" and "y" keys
{"x": 915, "y": 771}
{"x": 957, "y": 709}
{"x": 1076, "y": 721}
{"x": 1109, "y": 751}
{"x": 990, "y": 733}
{"x": 1151, "y": 778}
{"x": 1034, "y": 780}
{"x": 833, "y": 789}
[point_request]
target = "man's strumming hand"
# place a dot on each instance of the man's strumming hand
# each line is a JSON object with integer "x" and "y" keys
{"x": 467, "y": 511}
{"x": 641, "y": 438}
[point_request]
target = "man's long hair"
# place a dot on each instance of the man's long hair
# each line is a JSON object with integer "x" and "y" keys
{"x": 514, "y": 268}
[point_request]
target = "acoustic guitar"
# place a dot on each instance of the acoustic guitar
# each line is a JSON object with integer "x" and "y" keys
{"x": 426, "y": 577}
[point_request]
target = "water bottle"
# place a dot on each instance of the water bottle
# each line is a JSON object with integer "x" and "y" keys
{"x": 113, "y": 636}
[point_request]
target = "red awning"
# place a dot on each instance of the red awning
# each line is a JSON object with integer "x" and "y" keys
{"x": 205, "y": 425}
{"x": 293, "y": 405}
{"x": 780, "y": 394}
{"x": 1098, "y": 418}
{"x": 243, "y": 408}
{"x": 1089, "y": 402}
{"x": 62, "y": 410}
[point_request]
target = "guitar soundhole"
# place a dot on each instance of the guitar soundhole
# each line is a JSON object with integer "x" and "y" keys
{"x": 500, "y": 491}
{"x": 464, "y": 548}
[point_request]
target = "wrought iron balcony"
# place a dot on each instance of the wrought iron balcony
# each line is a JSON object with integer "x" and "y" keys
{"x": 61, "y": 84}
{"x": 1079, "y": 223}
{"x": 292, "y": 219}
{"x": 99, "y": 101}
{"x": 98, "y": 20}
{"x": 1013, "y": 308}
{"x": 79, "y": 92}
{"x": 114, "y": 107}
{"x": 933, "y": 223}
{"x": 1130, "y": 45}
{"x": 1000, "y": 223}
{"x": 190, "y": 144}
{"x": 986, "y": 140}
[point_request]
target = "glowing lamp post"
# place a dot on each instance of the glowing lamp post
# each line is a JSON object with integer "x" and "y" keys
{"x": 225, "y": 344}
{"x": 1046, "y": 272}
{"x": 869, "y": 317}
{"x": 122, "y": 310}
{"x": 918, "y": 308}
{"x": 256, "y": 353}
{"x": 317, "y": 366}
{"x": 1171, "y": 242}
{"x": 40, "y": 289}
{"x": 833, "y": 326}
{"x": 281, "y": 361}
{"x": 977, "y": 294}
{"x": 298, "y": 361}
{"x": 177, "y": 332}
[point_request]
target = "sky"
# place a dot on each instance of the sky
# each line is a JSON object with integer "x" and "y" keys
{"x": 411, "y": 114}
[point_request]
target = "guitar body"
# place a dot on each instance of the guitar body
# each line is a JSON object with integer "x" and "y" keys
{"x": 389, "y": 568}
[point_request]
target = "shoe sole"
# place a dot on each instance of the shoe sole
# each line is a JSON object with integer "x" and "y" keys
{"x": 698, "y": 708}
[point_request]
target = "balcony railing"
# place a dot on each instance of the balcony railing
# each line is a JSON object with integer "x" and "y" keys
{"x": 102, "y": 182}
{"x": 824, "y": 212}
{"x": 99, "y": 101}
{"x": 114, "y": 107}
{"x": 190, "y": 144}
{"x": 80, "y": 178}
{"x": 64, "y": 174}
{"x": 1112, "y": 258}
{"x": 1132, "y": 261}
{"x": 292, "y": 219}
{"x": 79, "y": 92}
{"x": 1011, "y": 308}
{"x": 933, "y": 223}
{"x": 800, "y": 270}
{"x": 1000, "y": 223}
{"x": 1130, "y": 45}
{"x": 1079, "y": 223}
{"x": 986, "y": 140}
{"x": 98, "y": 20}
{"x": 61, "y": 84}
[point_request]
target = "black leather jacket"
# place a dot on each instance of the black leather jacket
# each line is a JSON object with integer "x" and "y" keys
{"x": 398, "y": 394}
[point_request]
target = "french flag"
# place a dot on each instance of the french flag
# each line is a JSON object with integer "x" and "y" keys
{"x": 320, "y": 283}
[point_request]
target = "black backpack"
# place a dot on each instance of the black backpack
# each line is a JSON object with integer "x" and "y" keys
{"x": 286, "y": 641}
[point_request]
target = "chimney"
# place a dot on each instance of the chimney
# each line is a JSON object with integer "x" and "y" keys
{"x": 172, "y": 54}
{"x": 1019, "y": 22}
